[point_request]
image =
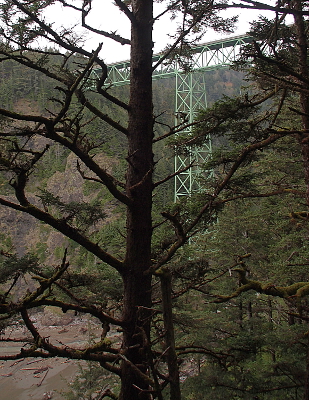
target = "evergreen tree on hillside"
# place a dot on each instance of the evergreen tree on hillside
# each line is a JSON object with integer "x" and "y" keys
{"x": 261, "y": 236}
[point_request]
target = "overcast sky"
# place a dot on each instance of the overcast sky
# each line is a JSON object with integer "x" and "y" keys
{"x": 106, "y": 16}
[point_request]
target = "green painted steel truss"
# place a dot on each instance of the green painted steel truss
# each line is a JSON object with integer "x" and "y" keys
{"x": 191, "y": 96}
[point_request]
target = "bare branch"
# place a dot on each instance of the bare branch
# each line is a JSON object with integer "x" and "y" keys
{"x": 124, "y": 8}
{"x": 97, "y": 352}
{"x": 68, "y": 45}
{"x": 257, "y": 5}
{"x": 85, "y": 13}
{"x": 104, "y": 117}
{"x": 107, "y": 179}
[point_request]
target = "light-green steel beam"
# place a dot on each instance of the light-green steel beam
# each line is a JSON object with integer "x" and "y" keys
{"x": 191, "y": 97}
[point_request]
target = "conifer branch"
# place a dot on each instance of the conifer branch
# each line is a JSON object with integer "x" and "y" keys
{"x": 63, "y": 227}
{"x": 297, "y": 290}
{"x": 167, "y": 178}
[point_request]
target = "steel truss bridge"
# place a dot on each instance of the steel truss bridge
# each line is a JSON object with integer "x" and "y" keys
{"x": 191, "y": 96}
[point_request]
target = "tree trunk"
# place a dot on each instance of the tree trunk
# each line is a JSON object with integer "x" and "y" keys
{"x": 172, "y": 362}
{"x": 137, "y": 285}
{"x": 249, "y": 315}
{"x": 301, "y": 30}
{"x": 240, "y": 313}
{"x": 306, "y": 385}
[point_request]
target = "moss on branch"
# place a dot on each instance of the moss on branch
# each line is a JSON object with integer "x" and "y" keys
{"x": 297, "y": 290}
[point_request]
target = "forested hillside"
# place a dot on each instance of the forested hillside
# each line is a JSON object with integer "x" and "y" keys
{"x": 28, "y": 92}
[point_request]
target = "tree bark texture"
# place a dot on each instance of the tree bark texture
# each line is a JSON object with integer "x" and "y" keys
{"x": 172, "y": 362}
{"x": 137, "y": 285}
{"x": 306, "y": 384}
{"x": 301, "y": 30}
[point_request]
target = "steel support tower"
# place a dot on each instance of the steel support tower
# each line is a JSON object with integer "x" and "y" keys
{"x": 191, "y": 96}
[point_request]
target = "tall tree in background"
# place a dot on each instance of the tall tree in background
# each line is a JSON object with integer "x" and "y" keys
{"x": 272, "y": 111}
{"x": 271, "y": 231}
{"x": 279, "y": 102}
